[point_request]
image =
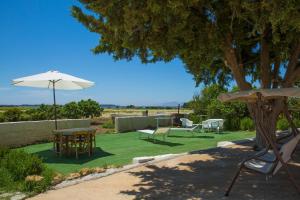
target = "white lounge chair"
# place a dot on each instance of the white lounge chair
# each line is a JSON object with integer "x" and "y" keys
{"x": 265, "y": 162}
{"x": 152, "y": 133}
{"x": 187, "y": 125}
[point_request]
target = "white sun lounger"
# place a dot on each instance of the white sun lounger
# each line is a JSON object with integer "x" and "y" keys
{"x": 265, "y": 162}
{"x": 152, "y": 133}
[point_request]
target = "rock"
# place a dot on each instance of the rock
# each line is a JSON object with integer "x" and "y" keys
{"x": 99, "y": 170}
{"x": 85, "y": 171}
{"x": 73, "y": 176}
{"x": 18, "y": 196}
{"x": 34, "y": 178}
{"x": 142, "y": 159}
{"x": 58, "y": 178}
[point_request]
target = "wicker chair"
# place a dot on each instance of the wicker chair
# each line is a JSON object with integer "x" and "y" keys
{"x": 80, "y": 143}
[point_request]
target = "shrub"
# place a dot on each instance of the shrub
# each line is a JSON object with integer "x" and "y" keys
{"x": 232, "y": 124}
{"x": 21, "y": 164}
{"x": 40, "y": 183}
{"x": 282, "y": 124}
{"x": 72, "y": 111}
{"x": 12, "y": 115}
{"x": 6, "y": 181}
{"x": 297, "y": 122}
{"x": 18, "y": 169}
{"x": 108, "y": 124}
{"x": 2, "y": 119}
{"x": 3, "y": 152}
{"x": 90, "y": 108}
{"x": 247, "y": 124}
{"x": 195, "y": 118}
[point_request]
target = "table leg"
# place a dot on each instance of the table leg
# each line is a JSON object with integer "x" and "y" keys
{"x": 67, "y": 145}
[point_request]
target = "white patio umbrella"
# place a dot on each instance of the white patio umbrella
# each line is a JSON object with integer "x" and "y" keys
{"x": 53, "y": 80}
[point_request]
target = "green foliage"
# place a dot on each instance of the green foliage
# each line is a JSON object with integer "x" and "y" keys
{"x": 109, "y": 125}
{"x": 44, "y": 112}
{"x": 207, "y": 103}
{"x": 21, "y": 164}
{"x": 2, "y": 119}
{"x": 6, "y": 180}
{"x": 90, "y": 108}
{"x": 39, "y": 186}
{"x": 12, "y": 115}
{"x": 282, "y": 124}
{"x": 197, "y": 32}
{"x": 195, "y": 118}
{"x": 246, "y": 124}
{"x": 72, "y": 110}
{"x": 16, "y": 165}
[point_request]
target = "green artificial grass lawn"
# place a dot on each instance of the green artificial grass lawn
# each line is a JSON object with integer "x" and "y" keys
{"x": 119, "y": 149}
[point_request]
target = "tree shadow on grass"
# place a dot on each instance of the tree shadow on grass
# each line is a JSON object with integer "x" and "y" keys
{"x": 208, "y": 177}
{"x": 161, "y": 142}
{"x": 49, "y": 156}
{"x": 192, "y": 136}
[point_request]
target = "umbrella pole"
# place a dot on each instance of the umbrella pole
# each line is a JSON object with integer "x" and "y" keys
{"x": 55, "y": 116}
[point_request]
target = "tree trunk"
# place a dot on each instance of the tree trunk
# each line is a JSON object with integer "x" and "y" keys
{"x": 265, "y": 119}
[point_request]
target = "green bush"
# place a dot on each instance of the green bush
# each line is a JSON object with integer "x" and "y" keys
{"x": 72, "y": 111}
{"x": 6, "y": 181}
{"x": 282, "y": 124}
{"x": 195, "y": 118}
{"x": 12, "y": 115}
{"x": 108, "y": 124}
{"x": 297, "y": 122}
{"x": 21, "y": 164}
{"x": 246, "y": 124}
{"x": 232, "y": 124}
{"x": 39, "y": 186}
{"x": 90, "y": 108}
{"x": 2, "y": 119}
{"x": 16, "y": 165}
{"x": 3, "y": 152}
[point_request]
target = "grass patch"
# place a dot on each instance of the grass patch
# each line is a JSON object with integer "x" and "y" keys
{"x": 119, "y": 149}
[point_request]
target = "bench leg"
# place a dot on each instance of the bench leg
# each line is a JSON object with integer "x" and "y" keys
{"x": 233, "y": 181}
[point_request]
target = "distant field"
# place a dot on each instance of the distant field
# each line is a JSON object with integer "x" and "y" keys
{"x": 119, "y": 111}
{"x": 138, "y": 111}
{"x": 23, "y": 108}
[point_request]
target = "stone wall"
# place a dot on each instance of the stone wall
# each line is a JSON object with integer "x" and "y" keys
{"x": 133, "y": 123}
{"x": 14, "y": 134}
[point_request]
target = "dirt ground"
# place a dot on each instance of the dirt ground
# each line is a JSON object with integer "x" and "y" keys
{"x": 201, "y": 175}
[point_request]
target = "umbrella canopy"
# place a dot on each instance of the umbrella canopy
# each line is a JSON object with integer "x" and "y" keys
{"x": 52, "y": 79}
{"x": 251, "y": 95}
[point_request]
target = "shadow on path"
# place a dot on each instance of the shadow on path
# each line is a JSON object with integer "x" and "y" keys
{"x": 207, "y": 176}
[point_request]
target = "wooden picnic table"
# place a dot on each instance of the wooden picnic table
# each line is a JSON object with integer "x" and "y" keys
{"x": 63, "y": 137}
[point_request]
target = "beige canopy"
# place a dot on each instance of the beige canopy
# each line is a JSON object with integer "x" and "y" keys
{"x": 251, "y": 95}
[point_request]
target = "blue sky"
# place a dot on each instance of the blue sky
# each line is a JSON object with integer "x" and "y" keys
{"x": 41, "y": 35}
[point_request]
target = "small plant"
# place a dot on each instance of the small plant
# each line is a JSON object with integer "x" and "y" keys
{"x": 282, "y": 124}
{"x": 247, "y": 124}
{"x": 108, "y": 125}
{"x": 23, "y": 172}
{"x": 12, "y": 115}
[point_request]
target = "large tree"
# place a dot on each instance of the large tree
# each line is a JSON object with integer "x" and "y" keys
{"x": 251, "y": 42}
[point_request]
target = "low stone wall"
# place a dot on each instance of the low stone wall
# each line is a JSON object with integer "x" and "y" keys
{"x": 133, "y": 123}
{"x": 14, "y": 134}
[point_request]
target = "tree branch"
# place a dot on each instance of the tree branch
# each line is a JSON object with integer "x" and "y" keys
{"x": 275, "y": 74}
{"x": 265, "y": 62}
{"x": 293, "y": 61}
{"x": 234, "y": 66}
